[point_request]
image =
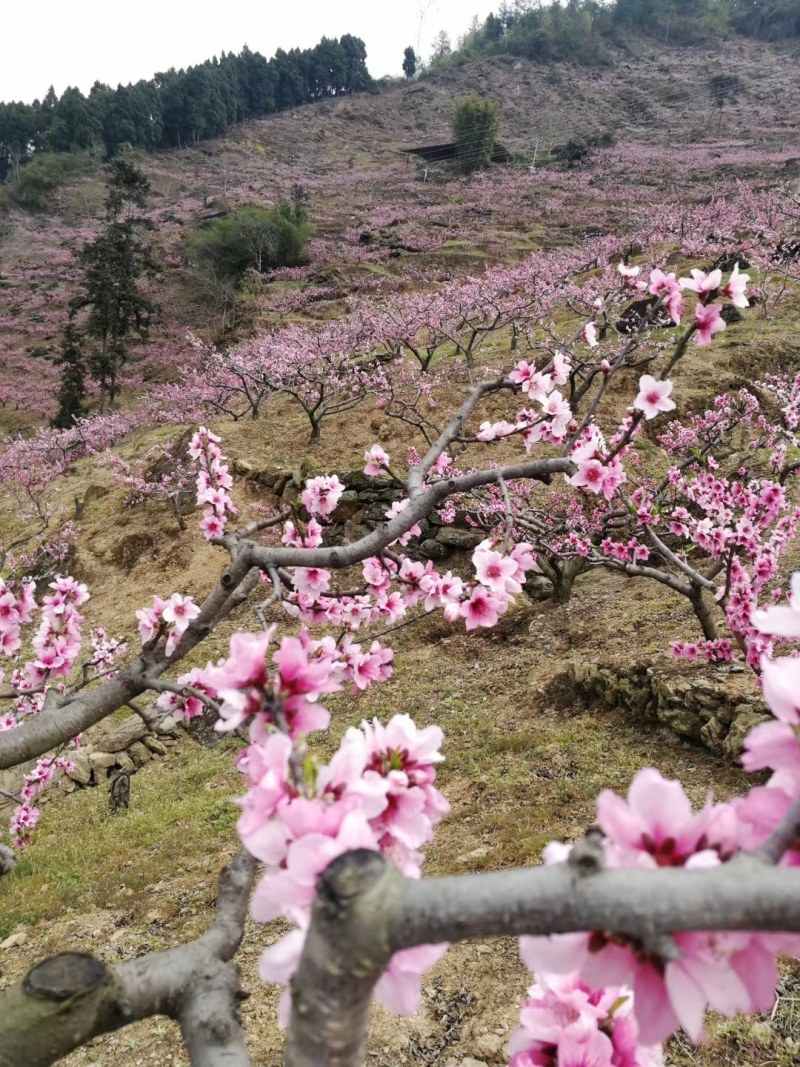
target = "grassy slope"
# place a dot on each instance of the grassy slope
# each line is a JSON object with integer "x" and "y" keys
{"x": 519, "y": 772}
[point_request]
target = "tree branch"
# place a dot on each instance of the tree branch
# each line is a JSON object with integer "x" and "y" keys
{"x": 366, "y": 910}
{"x": 65, "y": 1001}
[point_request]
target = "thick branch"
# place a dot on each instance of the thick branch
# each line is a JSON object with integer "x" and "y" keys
{"x": 378, "y": 539}
{"x": 739, "y": 895}
{"x": 365, "y": 911}
{"x": 66, "y": 1000}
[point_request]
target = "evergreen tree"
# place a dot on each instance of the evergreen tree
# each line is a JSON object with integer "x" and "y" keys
{"x": 409, "y": 62}
{"x": 72, "y": 391}
{"x": 114, "y": 266}
{"x": 441, "y": 46}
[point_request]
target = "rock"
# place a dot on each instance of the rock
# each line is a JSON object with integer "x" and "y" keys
{"x": 14, "y": 941}
{"x": 348, "y": 508}
{"x": 431, "y": 549}
{"x": 761, "y": 1032}
{"x": 125, "y": 763}
{"x": 713, "y": 734}
{"x": 538, "y": 588}
{"x": 470, "y": 1061}
{"x": 353, "y": 531}
{"x": 155, "y": 746}
{"x": 458, "y": 538}
{"x": 139, "y": 754}
{"x": 100, "y": 761}
{"x": 730, "y": 314}
{"x": 476, "y": 854}
{"x": 681, "y": 719}
{"x": 122, "y": 734}
{"x": 741, "y": 726}
{"x": 488, "y": 1045}
{"x": 168, "y": 726}
{"x": 81, "y": 771}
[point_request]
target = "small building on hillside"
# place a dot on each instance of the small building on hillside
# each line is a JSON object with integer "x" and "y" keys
{"x": 443, "y": 153}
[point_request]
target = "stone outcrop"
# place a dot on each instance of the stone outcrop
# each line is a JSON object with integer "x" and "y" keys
{"x": 714, "y": 709}
{"x": 126, "y": 745}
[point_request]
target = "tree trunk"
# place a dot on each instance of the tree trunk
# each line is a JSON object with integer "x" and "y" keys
{"x": 702, "y": 610}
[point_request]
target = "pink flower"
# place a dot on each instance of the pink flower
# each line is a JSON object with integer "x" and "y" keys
{"x": 589, "y": 334}
{"x": 321, "y": 495}
{"x": 180, "y": 610}
{"x": 150, "y": 619}
{"x": 312, "y": 580}
{"x": 735, "y": 288}
{"x": 664, "y": 285}
{"x": 495, "y": 571}
{"x": 590, "y": 475}
{"x": 377, "y": 461}
{"x": 653, "y": 396}
{"x": 399, "y": 988}
{"x": 705, "y": 285}
{"x": 531, "y": 381}
{"x": 708, "y": 321}
{"x": 489, "y": 431}
{"x": 655, "y": 827}
{"x": 561, "y": 368}
{"x": 481, "y": 609}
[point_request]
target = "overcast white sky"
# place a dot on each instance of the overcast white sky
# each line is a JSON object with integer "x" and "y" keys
{"x": 78, "y": 42}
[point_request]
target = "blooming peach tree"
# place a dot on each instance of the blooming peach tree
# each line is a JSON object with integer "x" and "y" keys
{"x": 657, "y": 913}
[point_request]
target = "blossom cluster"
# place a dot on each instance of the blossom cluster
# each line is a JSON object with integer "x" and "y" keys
{"x": 552, "y": 421}
{"x": 392, "y": 587}
{"x": 566, "y": 1022}
{"x": 167, "y": 617}
{"x": 56, "y": 645}
{"x": 247, "y": 690}
{"x": 378, "y": 793}
{"x": 213, "y": 482}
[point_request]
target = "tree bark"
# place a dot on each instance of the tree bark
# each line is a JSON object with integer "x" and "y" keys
{"x": 65, "y": 1001}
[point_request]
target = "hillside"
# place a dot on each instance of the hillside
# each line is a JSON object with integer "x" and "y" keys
{"x": 657, "y": 106}
{"x": 690, "y": 176}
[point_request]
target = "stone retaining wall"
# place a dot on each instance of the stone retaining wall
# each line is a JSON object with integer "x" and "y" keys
{"x": 715, "y": 709}
{"x": 363, "y": 505}
{"x": 123, "y": 745}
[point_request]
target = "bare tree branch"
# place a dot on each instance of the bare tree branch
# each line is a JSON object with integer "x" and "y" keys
{"x": 68, "y": 999}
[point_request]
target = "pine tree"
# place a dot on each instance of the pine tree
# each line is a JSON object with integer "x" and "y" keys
{"x": 409, "y": 62}
{"x": 114, "y": 266}
{"x": 72, "y": 390}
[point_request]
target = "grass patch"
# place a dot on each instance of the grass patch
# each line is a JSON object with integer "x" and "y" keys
{"x": 83, "y": 857}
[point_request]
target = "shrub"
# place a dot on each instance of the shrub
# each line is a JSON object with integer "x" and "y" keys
{"x": 250, "y": 238}
{"x": 39, "y": 181}
{"x": 475, "y": 124}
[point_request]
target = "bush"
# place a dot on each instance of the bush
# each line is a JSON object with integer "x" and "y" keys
{"x": 38, "y": 182}
{"x": 475, "y": 124}
{"x": 250, "y": 238}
